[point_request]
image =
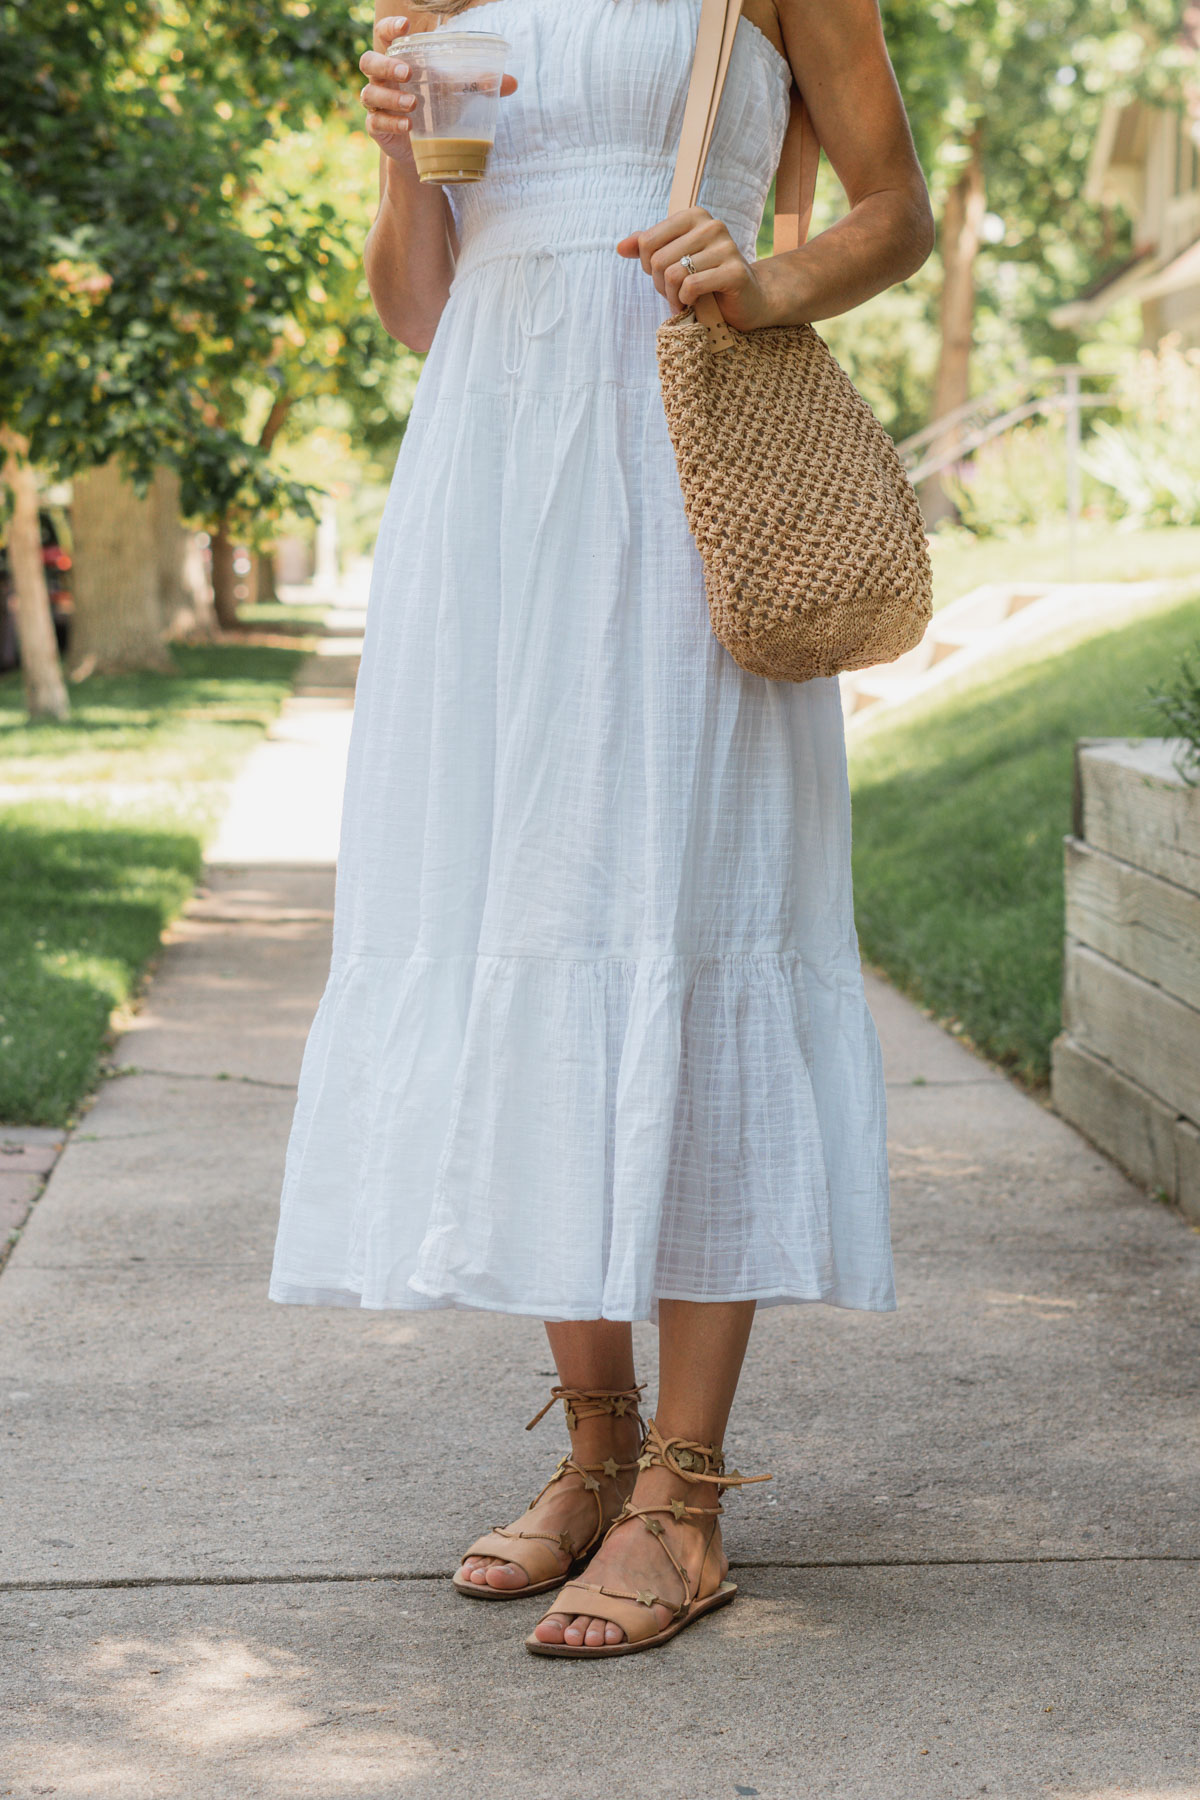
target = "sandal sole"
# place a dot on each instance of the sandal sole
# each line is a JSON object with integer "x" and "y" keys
{"x": 721, "y": 1597}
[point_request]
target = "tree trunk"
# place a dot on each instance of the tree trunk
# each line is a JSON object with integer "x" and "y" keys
{"x": 223, "y": 578}
{"x": 262, "y": 565}
{"x": 185, "y": 603}
{"x": 960, "y": 236}
{"x": 265, "y": 590}
{"x": 118, "y": 623}
{"x": 41, "y": 671}
{"x": 325, "y": 580}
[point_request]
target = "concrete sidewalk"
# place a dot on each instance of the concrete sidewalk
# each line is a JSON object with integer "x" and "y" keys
{"x": 227, "y": 1526}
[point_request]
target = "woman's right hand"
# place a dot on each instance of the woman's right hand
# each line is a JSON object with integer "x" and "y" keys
{"x": 387, "y": 97}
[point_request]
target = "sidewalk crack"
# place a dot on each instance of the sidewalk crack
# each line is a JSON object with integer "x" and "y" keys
{"x": 349, "y": 1579}
{"x": 118, "y": 1071}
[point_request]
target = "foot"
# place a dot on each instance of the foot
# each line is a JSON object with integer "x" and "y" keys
{"x": 567, "y": 1505}
{"x": 630, "y": 1561}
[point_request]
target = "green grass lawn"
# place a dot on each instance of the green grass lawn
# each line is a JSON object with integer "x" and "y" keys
{"x": 278, "y": 615}
{"x": 103, "y": 821}
{"x": 959, "y": 816}
{"x": 1103, "y": 553}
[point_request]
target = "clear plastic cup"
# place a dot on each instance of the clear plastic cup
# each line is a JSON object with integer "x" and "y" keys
{"x": 456, "y": 78}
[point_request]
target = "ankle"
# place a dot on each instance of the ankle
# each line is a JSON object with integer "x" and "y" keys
{"x": 660, "y": 1486}
{"x": 606, "y": 1439}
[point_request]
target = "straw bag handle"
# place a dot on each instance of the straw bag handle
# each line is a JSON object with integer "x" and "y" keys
{"x": 796, "y": 178}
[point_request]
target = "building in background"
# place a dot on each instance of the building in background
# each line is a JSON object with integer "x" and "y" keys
{"x": 1147, "y": 160}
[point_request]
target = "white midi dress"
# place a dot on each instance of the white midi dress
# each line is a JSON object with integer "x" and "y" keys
{"x": 594, "y": 1033}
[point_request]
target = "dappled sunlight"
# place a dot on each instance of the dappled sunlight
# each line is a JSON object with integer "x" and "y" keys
{"x": 752, "y": 1619}
{"x": 210, "y": 1693}
{"x": 1188, "y": 1791}
{"x": 389, "y": 1331}
{"x": 1048, "y": 1305}
{"x": 141, "y": 1705}
{"x": 933, "y": 1159}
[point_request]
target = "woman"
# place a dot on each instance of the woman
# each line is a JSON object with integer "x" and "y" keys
{"x": 594, "y": 1046}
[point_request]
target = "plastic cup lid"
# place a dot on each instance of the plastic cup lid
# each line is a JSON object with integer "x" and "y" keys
{"x": 453, "y": 41}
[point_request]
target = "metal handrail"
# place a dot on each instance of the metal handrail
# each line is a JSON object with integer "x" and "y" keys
{"x": 966, "y": 446}
{"x": 996, "y": 397}
{"x": 957, "y": 445}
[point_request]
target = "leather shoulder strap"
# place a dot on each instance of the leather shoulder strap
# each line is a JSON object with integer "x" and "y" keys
{"x": 796, "y": 178}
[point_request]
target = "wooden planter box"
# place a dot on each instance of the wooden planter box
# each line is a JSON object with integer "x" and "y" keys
{"x": 1126, "y": 1069}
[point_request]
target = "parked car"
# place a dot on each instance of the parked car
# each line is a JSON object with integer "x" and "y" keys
{"x": 57, "y": 559}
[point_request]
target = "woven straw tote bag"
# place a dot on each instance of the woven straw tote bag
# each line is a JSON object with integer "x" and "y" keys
{"x": 814, "y": 549}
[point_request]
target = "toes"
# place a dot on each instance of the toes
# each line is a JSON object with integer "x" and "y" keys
{"x": 550, "y": 1629}
{"x": 485, "y": 1571}
{"x": 595, "y": 1633}
{"x": 613, "y": 1634}
{"x": 574, "y": 1632}
{"x": 505, "y": 1575}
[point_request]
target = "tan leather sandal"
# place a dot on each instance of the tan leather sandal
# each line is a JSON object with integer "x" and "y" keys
{"x": 634, "y": 1612}
{"x": 539, "y": 1561}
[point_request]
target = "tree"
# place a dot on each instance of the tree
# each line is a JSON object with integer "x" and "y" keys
{"x": 145, "y": 271}
{"x": 45, "y": 690}
{"x": 184, "y": 597}
{"x": 1005, "y": 97}
{"x": 118, "y": 620}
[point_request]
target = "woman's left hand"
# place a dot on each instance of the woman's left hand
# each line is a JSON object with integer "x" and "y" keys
{"x": 721, "y": 269}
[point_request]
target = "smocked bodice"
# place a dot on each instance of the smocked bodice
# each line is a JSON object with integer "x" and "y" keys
{"x": 585, "y": 148}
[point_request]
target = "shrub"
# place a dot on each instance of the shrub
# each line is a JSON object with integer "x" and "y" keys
{"x": 1178, "y": 707}
{"x": 1151, "y": 461}
{"x": 1016, "y": 481}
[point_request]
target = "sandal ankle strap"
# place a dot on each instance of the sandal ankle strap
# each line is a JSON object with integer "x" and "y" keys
{"x": 593, "y": 1403}
{"x": 584, "y": 1403}
{"x": 694, "y": 1462}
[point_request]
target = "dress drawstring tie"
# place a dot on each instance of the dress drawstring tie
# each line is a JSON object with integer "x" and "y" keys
{"x": 531, "y": 280}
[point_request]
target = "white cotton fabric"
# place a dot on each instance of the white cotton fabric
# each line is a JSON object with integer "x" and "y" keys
{"x": 595, "y": 1032}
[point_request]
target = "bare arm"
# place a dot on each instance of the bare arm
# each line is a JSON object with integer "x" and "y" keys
{"x": 410, "y": 249}
{"x": 844, "y": 72}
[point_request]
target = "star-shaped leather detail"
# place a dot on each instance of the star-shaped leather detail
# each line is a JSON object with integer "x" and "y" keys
{"x": 620, "y": 1408}
{"x": 612, "y": 1467}
{"x": 679, "y": 1508}
{"x": 654, "y": 1525}
{"x": 564, "y": 1538}
{"x": 571, "y": 1419}
{"x": 591, "y": 1484}
{"x": 647, "y": 1597}
{"x": 645, "y": 1460}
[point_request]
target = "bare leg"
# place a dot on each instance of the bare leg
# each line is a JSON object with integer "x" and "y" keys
{"x": 593, "y": 1353}
{"x": 701, "y": 1348}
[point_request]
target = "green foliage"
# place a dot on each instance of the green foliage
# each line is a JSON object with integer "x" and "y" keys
{"x": 959, "y": 816}
{"x": 83, "y": 913}
{"x": 1023, "y": 84}
{"x": 159, "y": 266}
{"x": 1177, "y": 705}
{"x": 1151, "y": 460}
{"x": 105, "y": 849}
{"x": 1016, "y": 481}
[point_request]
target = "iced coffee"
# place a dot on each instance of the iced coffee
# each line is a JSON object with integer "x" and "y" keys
{"x": 455, "y": 76}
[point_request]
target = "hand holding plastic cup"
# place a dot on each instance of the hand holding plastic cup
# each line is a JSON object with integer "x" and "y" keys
{"x": 455, "y": 77}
